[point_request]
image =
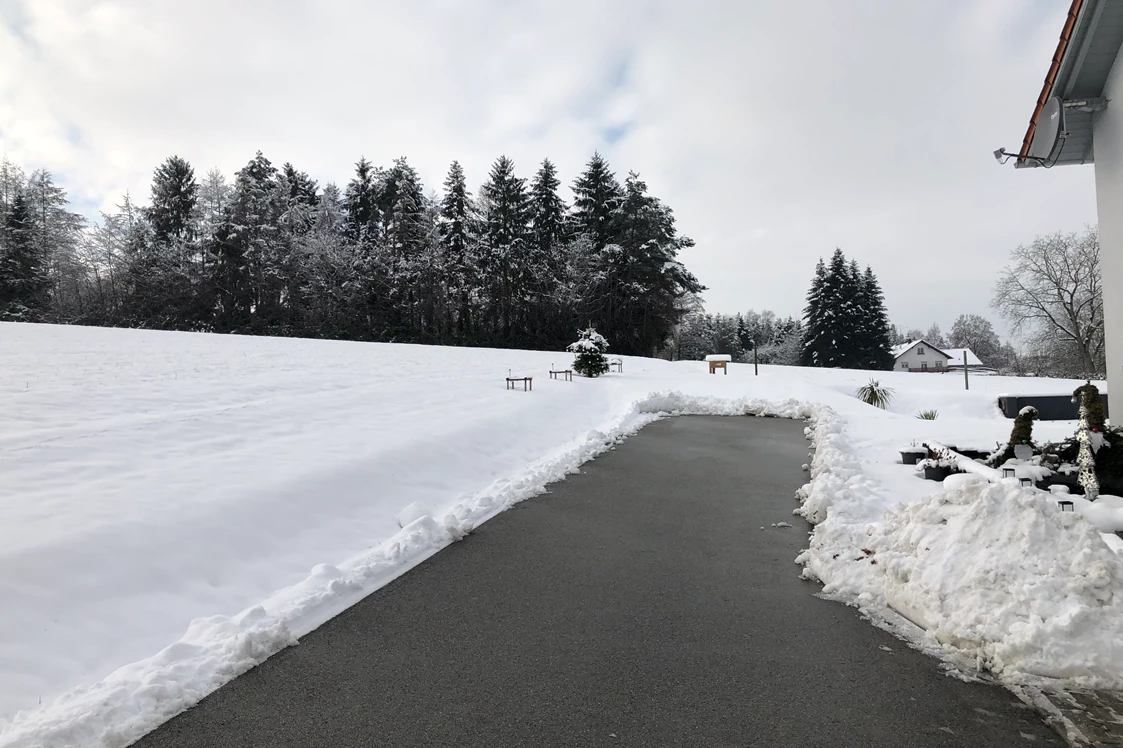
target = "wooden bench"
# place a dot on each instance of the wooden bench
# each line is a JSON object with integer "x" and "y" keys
{"x": 528, "y": 383}
{"x": 567, "y": 374}
{"x": 618, "y": 363}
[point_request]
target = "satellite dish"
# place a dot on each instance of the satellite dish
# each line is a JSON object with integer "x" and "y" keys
{"x": 1050, "y": 125}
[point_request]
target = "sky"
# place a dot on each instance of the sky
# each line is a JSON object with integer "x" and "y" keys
{"x": 776, "y": 131}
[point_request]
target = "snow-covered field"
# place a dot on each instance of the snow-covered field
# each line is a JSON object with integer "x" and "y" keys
{"x": 174, "y": 508}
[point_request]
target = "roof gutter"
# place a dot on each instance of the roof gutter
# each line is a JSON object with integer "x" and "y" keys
{"x": 1051, "y": 77}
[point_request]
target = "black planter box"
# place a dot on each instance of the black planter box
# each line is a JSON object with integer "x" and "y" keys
{"x": 936, "y": 473}
{"x": 974, "y": 454}
{"x": 1058, "y": 407}
{"x": 912, "y": 456}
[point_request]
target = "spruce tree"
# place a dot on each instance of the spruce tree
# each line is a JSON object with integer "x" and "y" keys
{"x": 877, "y": 330}
{"x": 403, "y": 211}
{"x": 302, "y": 189}
{"x": 246, "y": 243}
{"x": 547, "y": 211}
{"x": 24, "y": 282}
{"x": 360, "y": 201}
{"x": 175, "y": 196}
{"x": 506, "y": 215}
{"x": 459, "y": 226}
{"x": 850, "y": 349}
{"x": 645, "y": 281}
{"x": 815, "y": 341}
{"x": 404, "y": 235}
{"x": 597, "y": 197}
{"x": 590, "y": 348}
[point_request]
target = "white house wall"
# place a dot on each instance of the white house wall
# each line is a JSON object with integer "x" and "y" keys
{"x": 1108, "y": 144}
{"x": 912, "y": 360}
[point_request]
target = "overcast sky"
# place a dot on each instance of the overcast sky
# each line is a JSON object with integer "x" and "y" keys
{"x": 776, "y": 130}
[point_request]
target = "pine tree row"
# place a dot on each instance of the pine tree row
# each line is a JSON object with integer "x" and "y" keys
{"x": 273, "y": 253}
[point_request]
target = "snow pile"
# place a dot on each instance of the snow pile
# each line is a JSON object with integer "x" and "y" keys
{"x": 1105, "y": 513}
{"x": 134, "y": 699}
{"x": 993, "y": 572}
{"x": 1003, "y": 575}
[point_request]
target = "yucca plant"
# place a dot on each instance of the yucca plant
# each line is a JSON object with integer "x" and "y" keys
{"x": 875, "y": 394}
{"x": 928, "y": 415}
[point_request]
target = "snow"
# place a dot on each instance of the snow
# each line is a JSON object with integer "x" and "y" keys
{"x": 719, "y": 357}
{"x": 1005, "y": 575}
{"x": 178, "y": 507}
{"x": 897, "y": 350}
{"x": 958, "y": 355}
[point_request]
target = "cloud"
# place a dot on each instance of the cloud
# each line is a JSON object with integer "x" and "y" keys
{"x": 777, "y": 131}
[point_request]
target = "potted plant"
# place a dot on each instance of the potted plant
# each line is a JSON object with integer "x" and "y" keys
{"x": 938, "y": 467}
{"x": 912, "y": 455}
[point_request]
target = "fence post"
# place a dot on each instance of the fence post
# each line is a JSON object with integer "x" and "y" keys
{"x": 756, "y": 371}
{"x": 966, "y": 382}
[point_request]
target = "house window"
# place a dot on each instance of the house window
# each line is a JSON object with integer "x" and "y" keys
{"x": 920, "y": 350}
{"x": 924, "y": 366}
{"x": 939, "y": 364}
{"x": 904, "y": 364}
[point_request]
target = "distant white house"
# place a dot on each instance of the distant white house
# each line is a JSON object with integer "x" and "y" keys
{"x": 974, "y": 363}
{"x": 919, "y": 355}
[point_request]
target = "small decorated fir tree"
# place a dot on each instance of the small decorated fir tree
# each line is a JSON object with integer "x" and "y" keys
{"x": 1084, "y": 459}
{"x": 590, "y": 360}
{"x": 1088, "y": 395}
{"x": 1022, "y": 433}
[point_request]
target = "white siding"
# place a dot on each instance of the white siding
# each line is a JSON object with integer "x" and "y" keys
{"x": 913, "y": 359}
{"x": 1108, "y": 145}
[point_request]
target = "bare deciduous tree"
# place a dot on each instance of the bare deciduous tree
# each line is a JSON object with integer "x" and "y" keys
{"x": 1051, "y": 293}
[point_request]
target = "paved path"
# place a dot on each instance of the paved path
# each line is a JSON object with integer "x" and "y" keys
{"x": 640, "y": 604}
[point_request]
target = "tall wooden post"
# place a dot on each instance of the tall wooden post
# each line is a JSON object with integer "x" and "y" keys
{"x": 966, "y": 382}
{"x": 756, "y": 370}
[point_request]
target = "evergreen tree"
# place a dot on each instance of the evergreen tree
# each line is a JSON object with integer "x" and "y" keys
{"x": 175, "y": 196}
{"x": 459, "y": 227}
{"x": 590, "y": 348}
{"x": 24, "y": 282}
{"x": 642, "y": 278}
{"x": 547, "y": 212}
{"x": 597, "y": 197}
{"x": 816, "y": 343}
{"x": 302, "y": 189}
{"x": 830, "y": 316}
{"x": 404, "y": 235}
{"x": 505, "y": 252}
{"x": 361, "y": 203}
{"x": 877, "y": 335}
{"x": 850, "y": 350}
{"x": 331, "y": 217}
{"x": 246, "y": 244}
